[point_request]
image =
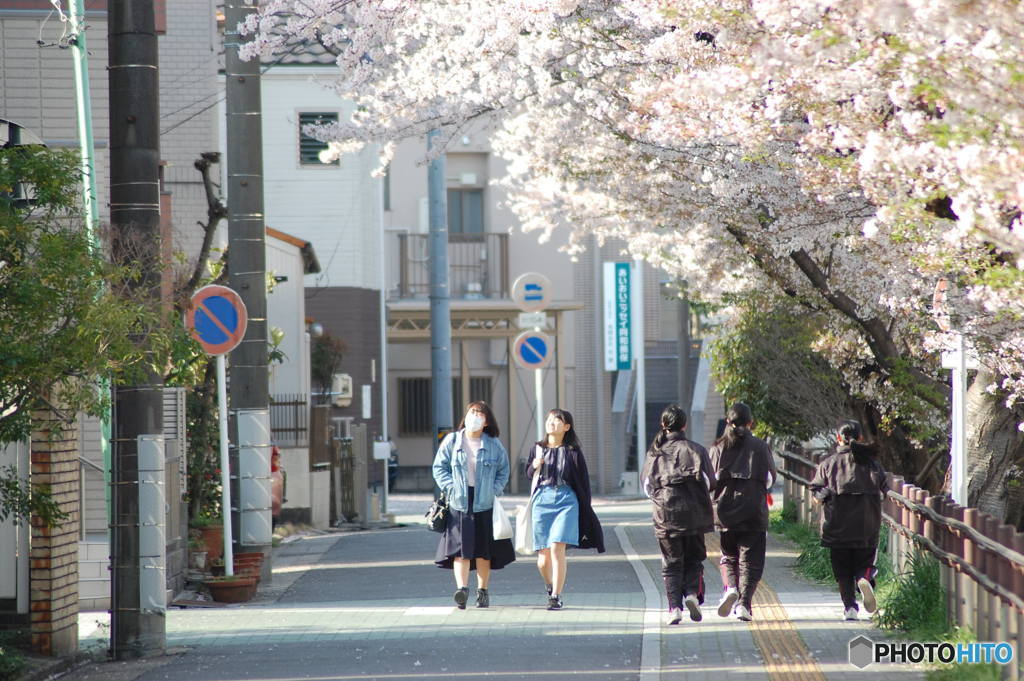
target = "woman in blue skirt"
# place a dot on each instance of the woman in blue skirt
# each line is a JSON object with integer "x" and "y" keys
{"x": 471, "y": 468}
{"x": 562, "y": 512}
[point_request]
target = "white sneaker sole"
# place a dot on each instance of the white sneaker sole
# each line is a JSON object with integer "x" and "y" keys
{"x": 694, "y": 607}
{"x": 867, "y": 595}
{"x": 725, "y": 607}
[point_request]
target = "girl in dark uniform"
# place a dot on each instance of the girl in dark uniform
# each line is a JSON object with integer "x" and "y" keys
{"x": 745, "y": 471}
{"x": 678, "y": 478}
{"x": 851, "y": 484}
{"x": 562, "y": 512}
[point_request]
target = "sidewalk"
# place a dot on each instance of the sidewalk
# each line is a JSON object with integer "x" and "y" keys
{"x": 370, "y": 605}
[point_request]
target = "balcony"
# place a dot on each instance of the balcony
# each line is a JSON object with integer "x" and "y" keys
{"x": 477, "y": 263}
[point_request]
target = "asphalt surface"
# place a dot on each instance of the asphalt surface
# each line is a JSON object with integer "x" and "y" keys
{"x": 371, "y": 605}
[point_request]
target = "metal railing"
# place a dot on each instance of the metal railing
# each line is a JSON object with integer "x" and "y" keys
{"x": 477, "y": 264}
{"x": 982, "y": 559}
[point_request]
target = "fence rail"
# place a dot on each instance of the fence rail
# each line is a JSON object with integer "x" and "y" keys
{"x": 982, "y": 559}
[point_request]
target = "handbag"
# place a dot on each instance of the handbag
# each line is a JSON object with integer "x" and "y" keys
{"x": 500, "y": 524}
{"x": 437, "y": 514}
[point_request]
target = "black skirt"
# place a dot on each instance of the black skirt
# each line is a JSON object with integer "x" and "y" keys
{"x": 471, "y": 535}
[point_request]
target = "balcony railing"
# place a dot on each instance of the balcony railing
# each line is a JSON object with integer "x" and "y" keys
{"x": 477, "y": 263}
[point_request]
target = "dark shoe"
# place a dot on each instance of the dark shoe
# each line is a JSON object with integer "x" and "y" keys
{"x": 555, "y": 603}
{"x": 482, "y": 599}
{"x": 461, "y": 596}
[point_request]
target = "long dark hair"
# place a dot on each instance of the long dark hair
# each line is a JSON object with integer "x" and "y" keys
{"x": 569, "y": 439}
{"x": 736, "y": 422}
{"x": 491, "y": 428}
{"x": 673, "y": 420}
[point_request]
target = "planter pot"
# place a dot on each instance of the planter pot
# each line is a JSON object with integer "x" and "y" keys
{"x": 197, "y": 559}
{"x": 235, "y": 589}
{"x": 213, "y": 539}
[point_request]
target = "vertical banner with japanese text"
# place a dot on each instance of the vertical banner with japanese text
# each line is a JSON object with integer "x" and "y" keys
{"x": 618, "y": 349}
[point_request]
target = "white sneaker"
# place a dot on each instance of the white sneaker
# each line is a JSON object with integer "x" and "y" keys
{"x": 743, "y": 614}
{"x": 850, "y": 614}
{"x": 728, "y": 600}
{"x": 867, "y": 595}
{"x": 675, "y": 616}
{"x": 693, "y": 606}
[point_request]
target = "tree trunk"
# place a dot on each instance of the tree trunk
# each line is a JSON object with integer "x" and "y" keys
{"x": 995, "y": 453}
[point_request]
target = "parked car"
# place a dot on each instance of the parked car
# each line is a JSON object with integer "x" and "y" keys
{"x": 277, "y": 483}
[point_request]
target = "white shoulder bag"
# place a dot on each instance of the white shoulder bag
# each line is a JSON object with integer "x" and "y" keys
{"x": 524, "y": 519}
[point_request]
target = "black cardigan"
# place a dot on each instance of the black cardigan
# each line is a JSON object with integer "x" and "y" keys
{"x": 578, "y": 478}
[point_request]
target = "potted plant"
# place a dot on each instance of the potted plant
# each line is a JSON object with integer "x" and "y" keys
{"x": 196, "y": 550}
{"x": 211, "y": 531}
{"x": 234, "y": 589}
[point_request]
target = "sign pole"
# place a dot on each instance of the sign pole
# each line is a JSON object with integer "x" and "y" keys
{"x": 225, "y": 476}
{"x": 538, "y": 393}
{"x": 641, "y": 387}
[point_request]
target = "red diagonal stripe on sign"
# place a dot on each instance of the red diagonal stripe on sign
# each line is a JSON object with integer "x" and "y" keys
{"x": 215, "y": 320}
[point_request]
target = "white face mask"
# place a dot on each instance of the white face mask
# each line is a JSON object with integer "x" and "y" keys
{"x": 474, "y": 422}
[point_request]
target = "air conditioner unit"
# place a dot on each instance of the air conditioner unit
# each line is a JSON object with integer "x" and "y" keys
{"x": 341, "y": 390}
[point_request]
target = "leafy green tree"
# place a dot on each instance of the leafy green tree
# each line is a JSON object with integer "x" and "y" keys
{"x": 63, "y": 318}
{"x": 766, "y": 360}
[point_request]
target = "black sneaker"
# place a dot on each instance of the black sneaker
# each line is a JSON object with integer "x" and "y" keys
{"x": 482, "y": 599}
{"x": 461, "y": 596}
{"x": 554, "y": 603}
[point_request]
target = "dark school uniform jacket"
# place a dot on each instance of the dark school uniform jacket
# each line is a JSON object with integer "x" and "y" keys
{"x": 851, "y": 485}
{"x": 745, "y": 472}
{"x": 574, "y": 473}
{"x": 679, "y": 478}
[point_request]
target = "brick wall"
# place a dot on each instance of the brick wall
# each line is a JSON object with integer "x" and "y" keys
{"x": 54, "y": 554}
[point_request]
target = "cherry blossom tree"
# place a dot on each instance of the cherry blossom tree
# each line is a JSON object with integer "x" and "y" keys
{"x": 845, "y": 155}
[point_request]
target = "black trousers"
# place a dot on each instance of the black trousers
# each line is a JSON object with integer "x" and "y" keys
{"x": 742, "y": 562}
{"x": 849, "y": 565}
{"x": 682, "y": 567}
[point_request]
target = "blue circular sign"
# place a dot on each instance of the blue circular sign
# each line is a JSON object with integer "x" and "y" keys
{"x": 533, "y": 350}
{"x": 217, "y": 318}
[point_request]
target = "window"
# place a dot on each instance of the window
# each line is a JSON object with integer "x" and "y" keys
{"x": 309, "y": 147}
{"x": 415, "y": 397}
{"x": 466, "y": 211}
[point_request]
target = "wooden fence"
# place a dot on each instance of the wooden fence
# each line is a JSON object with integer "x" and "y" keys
{"x": 981, "y": 560}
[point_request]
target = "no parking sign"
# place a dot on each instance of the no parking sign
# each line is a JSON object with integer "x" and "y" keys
{"x": 217, "y": 318}
{"x": 533, "y": 350}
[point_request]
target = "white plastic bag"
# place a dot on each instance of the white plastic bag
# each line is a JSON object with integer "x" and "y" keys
{"x": 524, "y": 529}
{"x": 501, "y": 525}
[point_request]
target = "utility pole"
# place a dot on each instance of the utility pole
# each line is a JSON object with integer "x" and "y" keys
{"x": 440, "y": 298}
{"x": 247, "y": 268}
{"x": 83, "y": 106}
{"x": 138, "y": 582}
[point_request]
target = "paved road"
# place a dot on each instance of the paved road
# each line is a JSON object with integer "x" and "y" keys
{"x": 370, "y": 605}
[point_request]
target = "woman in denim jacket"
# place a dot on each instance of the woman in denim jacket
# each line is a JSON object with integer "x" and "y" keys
{"x": 471, "y": 468}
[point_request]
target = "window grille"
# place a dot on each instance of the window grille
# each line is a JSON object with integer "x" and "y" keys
{"x": 310, "y": 147}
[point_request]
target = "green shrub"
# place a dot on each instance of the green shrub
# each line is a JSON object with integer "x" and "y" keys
{"x": 12, "y": 662}
{"x": 914, "y": 602}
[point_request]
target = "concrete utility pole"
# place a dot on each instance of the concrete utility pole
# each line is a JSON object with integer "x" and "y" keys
{"x": 440, "y": 298}
{"x": 247, "y": 268}
{"x": 138, "y": 582}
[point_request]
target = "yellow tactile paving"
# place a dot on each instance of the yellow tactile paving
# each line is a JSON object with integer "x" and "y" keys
{"x": 786, "y": 657}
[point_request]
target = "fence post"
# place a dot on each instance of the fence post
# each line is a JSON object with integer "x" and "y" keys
{"x": 895, "y": 538}
{"x": 989, "y": 566}
{"x": 1007, "y": 613}
{"x": 971, "y": 557}
{"x": 1018, "y": 615}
